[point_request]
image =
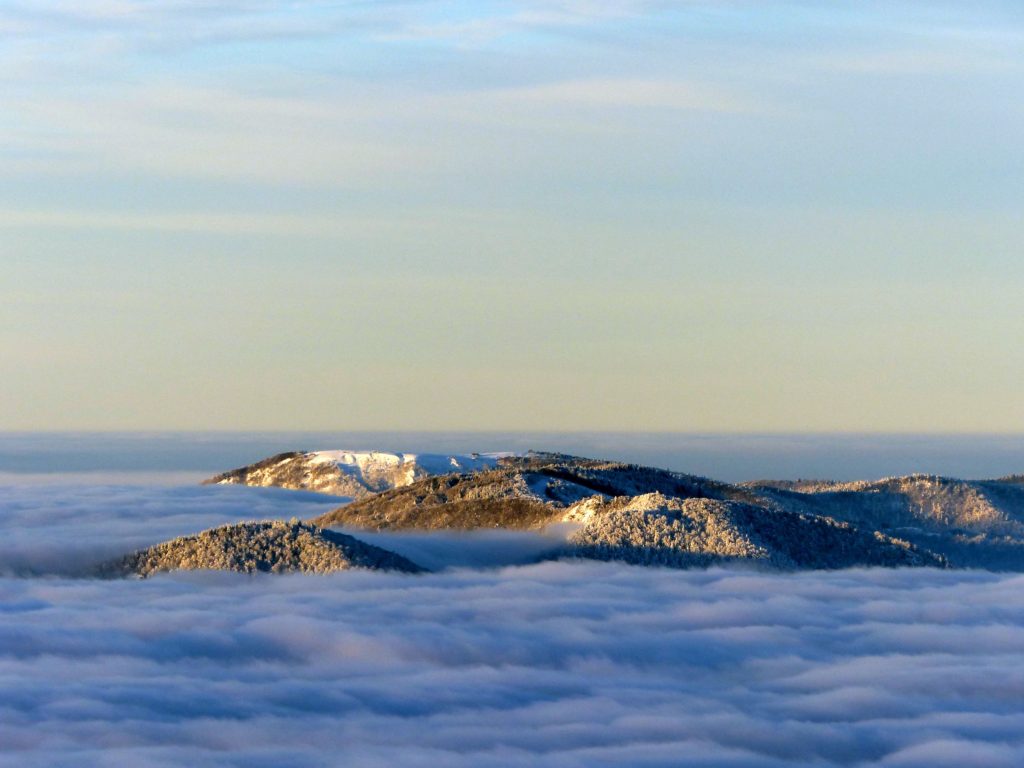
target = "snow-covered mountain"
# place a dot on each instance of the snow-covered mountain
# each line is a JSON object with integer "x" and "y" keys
{"x": 273, "y": 546}
{"x": 967, "y": 523}
{"x": 653, "y": 529}
{"x": 970, "y": 523}
{"x": 355, "y": 474}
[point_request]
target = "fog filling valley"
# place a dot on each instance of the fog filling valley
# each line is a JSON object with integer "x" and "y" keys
{"x": 64, "y": 529}
{"x": 552, "y": 664}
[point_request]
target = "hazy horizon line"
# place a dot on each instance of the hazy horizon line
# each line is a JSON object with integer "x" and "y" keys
{"x": 522, "y": 431}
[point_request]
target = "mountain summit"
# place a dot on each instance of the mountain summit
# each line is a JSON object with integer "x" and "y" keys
{"x": 273, "y": 546}
{"x": 355, "y": 474}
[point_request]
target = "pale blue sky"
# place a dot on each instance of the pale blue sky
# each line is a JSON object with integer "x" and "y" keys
{"x": 511, "y": 215}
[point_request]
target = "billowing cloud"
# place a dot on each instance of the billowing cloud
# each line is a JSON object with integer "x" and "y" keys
{"x": 438, "y": 550}
{"x": 545, "y": 665}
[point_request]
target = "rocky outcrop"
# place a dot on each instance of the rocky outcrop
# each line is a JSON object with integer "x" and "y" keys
{"x": 272, "y": 547}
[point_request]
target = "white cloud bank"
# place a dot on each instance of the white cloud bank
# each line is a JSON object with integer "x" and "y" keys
{"x": 63, "y": 528}
{"x": 547, "y": 665}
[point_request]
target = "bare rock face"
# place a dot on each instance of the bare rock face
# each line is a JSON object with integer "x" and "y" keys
{"x": 653, "y": 529}
{"x": 356, "y": 474}
{"x": 272, "y": 547}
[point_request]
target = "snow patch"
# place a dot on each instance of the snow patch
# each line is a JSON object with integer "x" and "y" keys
{"x": 404, "y": 468}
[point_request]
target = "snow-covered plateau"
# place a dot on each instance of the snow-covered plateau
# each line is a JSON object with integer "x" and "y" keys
{"x": 354, "y": 474}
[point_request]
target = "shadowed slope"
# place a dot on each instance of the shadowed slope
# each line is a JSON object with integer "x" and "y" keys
{"x": 972, "y": 522}
{"x": 937, "y": 503}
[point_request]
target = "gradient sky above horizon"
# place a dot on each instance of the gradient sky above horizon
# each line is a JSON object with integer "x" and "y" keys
{"x": 511, "y": 215}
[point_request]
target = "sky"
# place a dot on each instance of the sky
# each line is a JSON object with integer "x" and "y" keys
{"x": 717, "y": 216}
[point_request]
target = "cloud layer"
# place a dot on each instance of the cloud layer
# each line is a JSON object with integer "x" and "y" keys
{"x": 64, "y": 529}
{"x": 548, "y": 665}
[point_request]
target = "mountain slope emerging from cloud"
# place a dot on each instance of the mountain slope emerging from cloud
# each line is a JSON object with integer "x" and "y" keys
{"x": 919, "y": 519}
{"x": 971, "y": 522}
{"x": 270, "y": 547}
{"x": 653, "y": 529}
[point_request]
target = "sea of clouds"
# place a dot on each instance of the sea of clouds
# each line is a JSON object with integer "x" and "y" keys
{"x": 63, "y": 528}
{"x": 554, "y": 664}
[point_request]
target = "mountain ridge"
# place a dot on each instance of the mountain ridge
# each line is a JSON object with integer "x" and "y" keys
{"x": 969, "y": 523}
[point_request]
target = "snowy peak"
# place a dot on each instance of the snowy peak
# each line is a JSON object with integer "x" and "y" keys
{"x": 379, "y": 470}
{"x": 271, "y": 546}
{"x": 354, "y": 473}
